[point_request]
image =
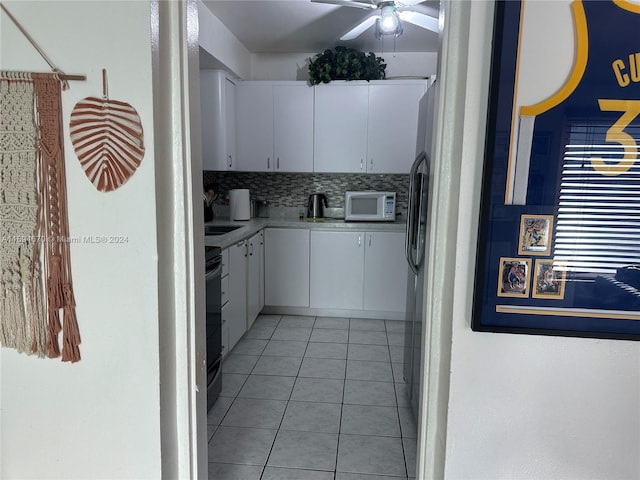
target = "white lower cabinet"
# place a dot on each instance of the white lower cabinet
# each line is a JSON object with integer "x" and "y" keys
{"x": 318, "y": 269}
{"x": 234, "y": 313}
{"x": 254, "y": 273}
{"x": 261, "y": 254}
{"x": 241, "y": 288}
{"x": 358, "y": 271}
{"x": 385, "y": 272}
{"x": 286, "y": 267}
{"x": 337, "y": 266}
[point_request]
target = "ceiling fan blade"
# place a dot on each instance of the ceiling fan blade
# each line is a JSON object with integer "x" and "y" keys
{"x": 360, "y": 28}
{"x": 407, "y": 3}
{"x": 421, "y": 20}
{"x": 349, "y": 3}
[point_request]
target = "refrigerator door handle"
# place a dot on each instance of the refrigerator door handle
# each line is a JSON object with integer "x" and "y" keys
{"x": 409, "y": 227}
{"x": 409, "y": 244}
{"x": 419, "y": 245}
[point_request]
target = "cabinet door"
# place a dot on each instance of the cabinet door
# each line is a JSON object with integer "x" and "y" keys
{"x": 261, "y": 261}
{"x": 393, "y": 127}
{"x": 385, "y": 272}
{"x": 293, "y": 128}
{"x": 237, "y": 305}
{"x": 253, "y": 280}
{"x": 254, "y": 127}
{"x": 217, "y": 110}
{"x": 230, "y": 115}
{"x": 286, "y": 264}
{"x": 337, "y": 268}
{"x": 340, "y": 128}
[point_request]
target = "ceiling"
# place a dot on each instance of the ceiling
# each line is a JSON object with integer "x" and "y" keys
{"x": 300, "y": 26}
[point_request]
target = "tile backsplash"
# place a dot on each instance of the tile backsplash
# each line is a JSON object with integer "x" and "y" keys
{"x": 293, "y": 189}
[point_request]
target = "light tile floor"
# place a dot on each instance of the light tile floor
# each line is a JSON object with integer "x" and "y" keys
{"x": 314, "y": 398}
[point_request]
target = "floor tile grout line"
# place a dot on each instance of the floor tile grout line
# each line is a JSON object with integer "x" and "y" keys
{"x": 238, "y": 392}
{"x": 285, "y": 411}
{"x": 393, "y": 382}
{"x": 404, "y": 453}
{"x": 344, "y": 387}
{"x": 266, "y": 460}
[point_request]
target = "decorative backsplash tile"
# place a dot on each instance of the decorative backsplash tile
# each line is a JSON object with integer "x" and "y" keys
{"x": 293, "y": 189}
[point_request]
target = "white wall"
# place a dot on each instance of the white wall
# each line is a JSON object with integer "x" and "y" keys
{"x": 216, "y": 39}
{"x": 99, "y": 418}
{"x": 223, "y": 50}
{"x": 522, "y": 406}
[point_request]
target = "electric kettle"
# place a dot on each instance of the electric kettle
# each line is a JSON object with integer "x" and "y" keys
{"x": 316, "y": 208}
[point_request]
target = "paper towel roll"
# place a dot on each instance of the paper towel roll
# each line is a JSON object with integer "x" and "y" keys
{"x": 239, "y": 205}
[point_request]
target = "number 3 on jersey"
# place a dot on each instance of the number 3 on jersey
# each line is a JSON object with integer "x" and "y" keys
{"x": 630, "y": 109}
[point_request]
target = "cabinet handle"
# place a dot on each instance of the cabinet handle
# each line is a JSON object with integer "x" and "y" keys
{"x": 230, "y": 161}
{"x": 369, "y": 239}
{"x": 278, "y": 163}
{"x": 361, "y": 163}
{"x": 268, "y": 163}
{"x": 251, "y": 248}
{"x": 371, "y": 165}
{"x": 359, "y": 240}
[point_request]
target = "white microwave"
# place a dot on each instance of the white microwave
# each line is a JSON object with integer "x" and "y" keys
{"x": 370, "y": 206}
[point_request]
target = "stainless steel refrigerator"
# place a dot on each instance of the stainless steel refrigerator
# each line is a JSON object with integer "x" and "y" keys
{"x": 415, "y": 247}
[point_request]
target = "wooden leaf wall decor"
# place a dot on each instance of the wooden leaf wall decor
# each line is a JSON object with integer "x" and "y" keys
{"x": 108, "y": 140}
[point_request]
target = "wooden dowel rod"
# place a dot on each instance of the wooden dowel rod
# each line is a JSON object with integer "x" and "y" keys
{"x": 73, "y": 77}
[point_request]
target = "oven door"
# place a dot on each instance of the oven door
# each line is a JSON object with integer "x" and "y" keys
{"x": 213, "y": 274}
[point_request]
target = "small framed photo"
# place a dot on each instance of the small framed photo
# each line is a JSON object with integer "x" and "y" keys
{"x": 514, "y": 278}
{"x": 535, "y": 235}
{"x": 548, "y": 280}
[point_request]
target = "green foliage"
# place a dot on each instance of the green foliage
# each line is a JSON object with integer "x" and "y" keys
{"x": 344, "y": 63}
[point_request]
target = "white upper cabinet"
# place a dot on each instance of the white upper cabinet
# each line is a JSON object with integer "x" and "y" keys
{"x": 366, "y": 127}
{"x": 393, "y": 127}
{"x": 340, "y": 127}
{"x": 287, "y": 126}
{"x": 218, "y": 110}
{"x": 274, "y": 126}
{"x": 293, "y": 128}
{"x": 254, "y": 126}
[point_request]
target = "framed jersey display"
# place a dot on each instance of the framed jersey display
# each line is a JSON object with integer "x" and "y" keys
{"x": 559, "y": 235}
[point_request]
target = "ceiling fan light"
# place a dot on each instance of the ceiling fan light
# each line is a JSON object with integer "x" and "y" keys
{"x": 389, "y": 22}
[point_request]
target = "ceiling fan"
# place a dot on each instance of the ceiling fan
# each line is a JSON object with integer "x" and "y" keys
{"x": 387, "y": 18}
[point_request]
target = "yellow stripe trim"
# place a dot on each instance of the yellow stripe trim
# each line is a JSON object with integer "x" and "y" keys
{"x": 568, "y": 313}
{"x": 582, "y": 53}
{"x": 629, "y": 6}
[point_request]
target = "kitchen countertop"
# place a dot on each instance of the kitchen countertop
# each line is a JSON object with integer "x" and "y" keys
{"x": 250, "y": 227}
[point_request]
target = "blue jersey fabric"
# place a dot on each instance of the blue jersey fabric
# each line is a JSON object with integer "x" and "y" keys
{"x": 609, "y": 30}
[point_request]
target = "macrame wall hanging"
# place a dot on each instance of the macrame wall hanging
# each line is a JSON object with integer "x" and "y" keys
{"x": 107, "y": 138}
{"x": 36, "y": 288}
